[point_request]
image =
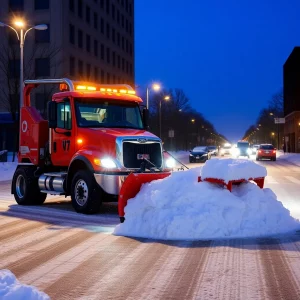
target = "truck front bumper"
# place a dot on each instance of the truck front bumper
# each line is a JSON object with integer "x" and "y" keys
{"x": 111, "y": 183}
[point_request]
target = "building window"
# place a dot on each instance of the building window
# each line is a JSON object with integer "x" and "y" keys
{"x": 72, "y": 34}
{"x": 88, "y": 43}
{"x": 72, "y": 66}
{"x": 113, "y": 12}
{"x": 42, "y": 36}
{"x": 130, "y": 9}
{"x": 108, "y": 78}
{"x": 102, "y": 26}
{"x": 107, "y": 30}
{"x": 80, "y": 8}
{"x": 107, "y": 6}
{"x": 119, "y": 62}
{"x": 41, "y": 100}
{"x": 88, "y": 71}
{"x": 114, "y": 58}
{"x": 118, "y": 38}
{"x": 102, "y": 51}
{"x": 113, "y": 35}
{"x": 123, "y": 64}
{"x": 102, "y": 4}
{"x": 118, "y": 16}
{"x": 123, "y": 43}
{"x": 41, "y": 4}
{"x": 102, "y": 76}
{"x": 96, "y": 73}
{"x": 80, "y": 68}
{"x": 71, "y": 5}
{"x": 108, "y": 55}
{"x": 80, "y": 39}
{"x": 42, "y": 67}
{"x": 16, "y": 5}
{"x": 88, "y": 14}
{"x": 95, "y": 21}
{"x": 95, "y": 47}
{"x": 123, "y": 21}
{"x": 14, "y": 68}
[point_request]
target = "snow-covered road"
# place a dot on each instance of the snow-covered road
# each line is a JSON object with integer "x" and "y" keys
{"x": 72, "y": 256}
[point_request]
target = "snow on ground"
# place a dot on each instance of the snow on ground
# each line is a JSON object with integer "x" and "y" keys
{"x": 180, "y": 208}
{"x": 291, "y": 157}
{"x": 12, "y": 289}
{"x": 8, "y": 168}
{"x": 232, "y": 169}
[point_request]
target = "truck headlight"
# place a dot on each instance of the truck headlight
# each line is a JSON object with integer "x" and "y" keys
{"x": 170, "y": 163}
{"x": 249, "y": 151}
{"x": 237, "y": 151}
{"x": 105, "y": 162}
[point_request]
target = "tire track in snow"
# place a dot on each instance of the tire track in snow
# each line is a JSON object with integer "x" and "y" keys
{"x": 33, "y": 260}
{"x": 130, "y": 270}
{"x": 184, "y": 281}
{"x": 280, "y": 281}
{"x": 229, "y": 271}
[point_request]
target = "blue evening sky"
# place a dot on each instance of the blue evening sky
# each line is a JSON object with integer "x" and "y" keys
{"x": 227, "y": 55}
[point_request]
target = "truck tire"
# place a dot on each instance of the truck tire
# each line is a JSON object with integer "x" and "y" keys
{"x": 25, "y": 187}
{"x": 86, "y": 195}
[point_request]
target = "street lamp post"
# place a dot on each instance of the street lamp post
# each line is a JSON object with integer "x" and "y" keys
{"x": 165, "y": 98}
{"x": 156, "y": 87}
{"x": 278, "y": 140}
{"x": 21, "y": 37}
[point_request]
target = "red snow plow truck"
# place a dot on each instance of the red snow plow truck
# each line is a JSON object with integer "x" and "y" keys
{"x": 94, "y": 147}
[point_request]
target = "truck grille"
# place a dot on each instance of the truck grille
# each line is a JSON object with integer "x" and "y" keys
{"x": 131, "y": 151}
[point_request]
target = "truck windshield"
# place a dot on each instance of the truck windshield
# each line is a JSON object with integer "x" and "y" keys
{"x": 107, "y": 113}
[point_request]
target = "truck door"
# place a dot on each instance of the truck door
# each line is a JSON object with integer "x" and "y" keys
{"x": 63, "y": 147}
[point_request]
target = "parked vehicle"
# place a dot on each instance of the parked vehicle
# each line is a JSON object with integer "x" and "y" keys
{"x": 199, "y": 154}
{"x": 266, "y": 151}
{"x": 213, "y": 150}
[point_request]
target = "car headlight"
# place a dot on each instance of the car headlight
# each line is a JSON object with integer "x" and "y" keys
{"x": 249, "y": 151}
{"x": 170, "y": 162}
{"x": 105, "y": 162}
{"x": 191, "y": 154}
{"x": 222, "y": 150}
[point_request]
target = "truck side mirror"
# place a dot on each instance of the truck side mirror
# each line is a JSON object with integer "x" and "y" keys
{"x": 52, "y": 114}
{"x": 145, "y": 115}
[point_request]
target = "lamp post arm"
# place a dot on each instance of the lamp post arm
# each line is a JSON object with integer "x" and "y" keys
{"x": 27, "y": 32}
{"x": 12, "y": 29}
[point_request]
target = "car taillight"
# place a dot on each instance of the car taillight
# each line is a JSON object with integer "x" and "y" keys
{"x": 259, "y": 151}
{"x": 274, "y": 151}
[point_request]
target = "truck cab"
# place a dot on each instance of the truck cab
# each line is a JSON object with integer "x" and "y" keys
{"x": 95, "y": 136}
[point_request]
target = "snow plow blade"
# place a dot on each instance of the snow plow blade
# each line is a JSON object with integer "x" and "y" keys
{"x": 132, "y": 186}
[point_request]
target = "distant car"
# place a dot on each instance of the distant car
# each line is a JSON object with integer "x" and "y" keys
{"x": 213, "y": 150}
{"x": 242, "y": 149}
{"x": 266, "y": 151}
{"x": 199, "y": 154}
{"x": 225, "y": 150}
{"x": 254, "y": 149}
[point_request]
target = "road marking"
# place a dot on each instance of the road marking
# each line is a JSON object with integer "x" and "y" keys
{"x": 292, "y": 179}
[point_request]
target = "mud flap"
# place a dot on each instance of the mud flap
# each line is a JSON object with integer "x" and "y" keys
{"x": 132, "y": 186}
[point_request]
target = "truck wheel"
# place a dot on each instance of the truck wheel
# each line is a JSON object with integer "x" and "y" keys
{"x": 86, "y": 195}
{"x": 25, "y": 187}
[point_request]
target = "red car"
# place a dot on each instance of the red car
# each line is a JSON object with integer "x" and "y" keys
{"x": 266, "y": 151}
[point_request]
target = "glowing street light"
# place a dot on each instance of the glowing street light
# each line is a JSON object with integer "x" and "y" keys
{"x": 21, "y": 37}
{"x": 156, "y": 87}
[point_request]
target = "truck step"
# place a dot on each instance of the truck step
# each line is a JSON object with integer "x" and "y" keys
{"x": 51, "y": 192}
{"x": 56, "y": 174}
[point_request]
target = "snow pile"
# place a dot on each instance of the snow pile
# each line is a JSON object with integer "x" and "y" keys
{"x": 232, "y": 169}
{"x": 12, "y": 289}
{"x": 7, "y": 170}
{"x": 180, "y": 208}
{"x": 293, "y": 158}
